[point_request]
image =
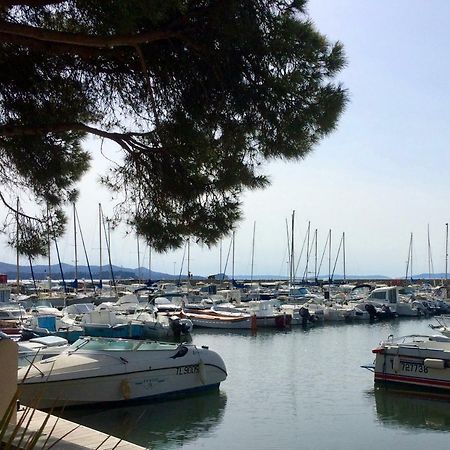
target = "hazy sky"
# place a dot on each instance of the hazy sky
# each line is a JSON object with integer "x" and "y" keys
{"x": 380, "y": 176}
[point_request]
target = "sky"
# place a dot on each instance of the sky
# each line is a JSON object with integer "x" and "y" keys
{"x": 382, "y": 175}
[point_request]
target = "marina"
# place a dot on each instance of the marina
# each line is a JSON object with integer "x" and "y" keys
{"x": 287, "y": 389}
{"x": 304, "y": 373}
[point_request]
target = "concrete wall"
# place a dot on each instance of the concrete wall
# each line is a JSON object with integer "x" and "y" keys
{"x": 8, "y": 375}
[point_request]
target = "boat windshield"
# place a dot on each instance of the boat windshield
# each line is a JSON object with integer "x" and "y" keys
{"x": 104, "y": 345}
{"x": 111, "y": 345}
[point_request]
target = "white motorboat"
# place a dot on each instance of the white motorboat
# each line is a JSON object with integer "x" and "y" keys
{"x": 264, "y": 316}
{"x": 105, "y": 370}
{"x": 417, "y": 360}
{"x": 221, "y": 320}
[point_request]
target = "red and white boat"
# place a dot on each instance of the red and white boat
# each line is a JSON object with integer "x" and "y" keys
{"x": 417, "y": 360}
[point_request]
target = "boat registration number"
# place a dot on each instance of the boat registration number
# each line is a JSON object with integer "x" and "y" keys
{"x": 186, "y": 370}
{"x": 416, "y": 367}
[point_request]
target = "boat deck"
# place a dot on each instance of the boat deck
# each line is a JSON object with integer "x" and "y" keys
{"x": 66, "y": 435}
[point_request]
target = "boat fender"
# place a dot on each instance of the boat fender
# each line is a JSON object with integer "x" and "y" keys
{"x": 433, "y": 363}
{"x": 396, "y": 363}
{"x": 125, "y": 389}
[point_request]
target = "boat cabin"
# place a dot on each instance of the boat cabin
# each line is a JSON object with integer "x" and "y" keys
{"x": 385, "y": 295}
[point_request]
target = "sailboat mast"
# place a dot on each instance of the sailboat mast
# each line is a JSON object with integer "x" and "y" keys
{"x": 189, "y": 259}
{"x": 232, "y": 261}
{"x": 292, "y": 248}
{"x": 138, "y": 257}
{"x": 446, "y": 251}
{"x": 329, "y": 258}
{"x": 315, "y": 257}
{"x": 253, "y": 250}
{"x": 17, "y": 248}
{"x": 100, "y": 241}
{"x": 409, "y": 258}
{"x": 149, "y": 262}
{"x": 343, "y": 251}
{"x": 307, "y": 251}
{"x": 220, "y": 257}
{"x": 49, "y": 251}
{"x": 75, "y": 244}
{"x": 429, "y": 252}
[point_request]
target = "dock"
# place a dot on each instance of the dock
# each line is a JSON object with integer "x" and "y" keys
{"x": 61, "y": 434}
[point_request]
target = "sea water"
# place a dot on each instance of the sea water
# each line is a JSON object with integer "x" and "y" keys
{"x": 296, "y": 389}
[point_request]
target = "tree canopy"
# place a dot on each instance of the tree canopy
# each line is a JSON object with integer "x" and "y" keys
{"x": 197, "y": 94}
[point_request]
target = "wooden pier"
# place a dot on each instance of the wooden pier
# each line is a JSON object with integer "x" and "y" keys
{"x": 61, "y": 434}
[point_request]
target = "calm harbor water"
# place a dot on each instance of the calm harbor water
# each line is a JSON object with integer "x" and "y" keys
{"x": 288, "y": 390}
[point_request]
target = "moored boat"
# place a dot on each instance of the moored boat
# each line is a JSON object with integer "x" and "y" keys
{"x": 99, "y": 370}
{"x": 418, "y": 360}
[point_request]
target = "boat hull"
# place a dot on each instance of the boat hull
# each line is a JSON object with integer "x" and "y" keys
{"x": 229, "y": 322}
{"x": 145, "y": 385}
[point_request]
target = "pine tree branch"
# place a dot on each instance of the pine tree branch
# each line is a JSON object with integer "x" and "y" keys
{"x": 125, "y": 140}
{"x": 17, "y": 211}
{"x": 32, "y": 3}
{"x": 84, "y": 40}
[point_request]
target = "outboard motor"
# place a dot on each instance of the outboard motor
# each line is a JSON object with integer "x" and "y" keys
{"x": 371, "y": 310}
{"x": 180, "y": 326}
{"x": 305, "y": 315}
{"x": 388, "y": 314}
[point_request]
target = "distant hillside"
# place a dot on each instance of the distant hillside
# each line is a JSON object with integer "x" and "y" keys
{"x": 41, "y": 272}
{"x": 321, "y": 277}
{"x": 427, "y": 276}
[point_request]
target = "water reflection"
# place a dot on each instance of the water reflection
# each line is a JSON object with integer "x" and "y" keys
{"x": 157, "y": 424}
{"x": 412, "y": 409}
